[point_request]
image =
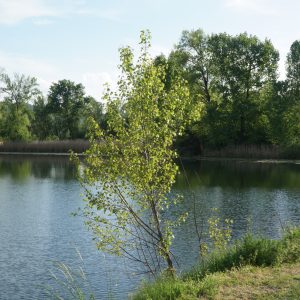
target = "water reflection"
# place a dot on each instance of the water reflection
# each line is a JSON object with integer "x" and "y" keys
{"x": 22, "y": 167}
{"x": 240, "y": 174}
{"x": 38, "y": 195}
{"x": 258, "y": 197}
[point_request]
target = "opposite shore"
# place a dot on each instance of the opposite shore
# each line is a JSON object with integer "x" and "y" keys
{"x": 63, "y": 147}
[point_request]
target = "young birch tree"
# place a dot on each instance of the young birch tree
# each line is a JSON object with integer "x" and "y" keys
{"x": 130, "y": 168}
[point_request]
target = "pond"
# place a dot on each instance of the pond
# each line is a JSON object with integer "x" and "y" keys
{"x": 38, "y": 195}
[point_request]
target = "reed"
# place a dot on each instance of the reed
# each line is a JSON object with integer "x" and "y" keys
{"x": 65, "y": 146}
{"x": 254, "y": 151}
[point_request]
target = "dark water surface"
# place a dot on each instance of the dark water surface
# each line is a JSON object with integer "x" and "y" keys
{"x": 38, "y": 195}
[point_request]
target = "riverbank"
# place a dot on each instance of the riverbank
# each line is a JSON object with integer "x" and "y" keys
{"x": 254, "y": 152}
{"x": 79, "y": 146}
{"x": 44, "y": 147}
{"x": 253, "y": 268}
{"x": 64, "y": 147}
{"x": 246, "y": 283}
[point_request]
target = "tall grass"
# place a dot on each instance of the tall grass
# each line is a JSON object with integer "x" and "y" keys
{"x": 245, "y": 151}
{"x": 69, "y": 282}
{"x": 249, "y": 251}
{"x": 80, "y": 145}
{"x": 254, "y": 151}
{"x": 253, "y": 251}
{"x": 77, "y": 146}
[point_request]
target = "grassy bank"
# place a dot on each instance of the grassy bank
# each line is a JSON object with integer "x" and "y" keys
{"x": 254, "y": 151}
{"x": 78, "y": 146}
{"x": 253, "y": 268}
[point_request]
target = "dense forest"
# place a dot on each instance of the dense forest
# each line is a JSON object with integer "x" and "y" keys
{"x": 234, "y": 79}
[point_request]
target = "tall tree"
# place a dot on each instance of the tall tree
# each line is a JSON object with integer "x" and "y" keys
{"x": 228, "y": 74}
{"x": 94, "y": 109}
{"x": 293, "y": 66}
{"x": 192, "y": 53}
{"x": 243, "y": 65}
{"x": 292, "y": 94}
{"x": 17, "y": 92}
{"x": 41, "y": 125}
{"x": 65, "y": 102}
{"x": 130, "y": 167}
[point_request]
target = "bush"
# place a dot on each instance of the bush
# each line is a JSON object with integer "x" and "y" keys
{"x": 251, "y": 251}
{"x": 291, "y": 245}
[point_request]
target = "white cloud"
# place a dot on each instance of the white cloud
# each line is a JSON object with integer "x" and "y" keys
{"x": 40, "y": 11}
{"x": 24, "y": 64}
{"x": 264, "y": 7}
{"x": 112, "y": 15}
{"x": 15, "y": 11}
{"x": 94, "y": 83}
{"x": 42, "y": 22}
{"x": 44, "y": 72}
{"x": 47, "y": 73}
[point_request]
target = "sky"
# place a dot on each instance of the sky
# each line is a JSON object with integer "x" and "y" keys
{"x": 79, "y": 39}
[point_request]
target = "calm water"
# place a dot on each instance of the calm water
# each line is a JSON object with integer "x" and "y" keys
{"x": 38, "y": 195}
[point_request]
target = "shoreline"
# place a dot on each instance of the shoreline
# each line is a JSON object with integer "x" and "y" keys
{"x": 40, "y": 153}
{"x": 185, "y": 158}
{"x": 238, "y": 152}
{"x": 242, "y": 159}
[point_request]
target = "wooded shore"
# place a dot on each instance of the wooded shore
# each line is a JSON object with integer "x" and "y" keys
{"x": 80, "y": 145}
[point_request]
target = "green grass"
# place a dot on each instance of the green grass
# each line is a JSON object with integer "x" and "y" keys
{"x": 253, "y": 268}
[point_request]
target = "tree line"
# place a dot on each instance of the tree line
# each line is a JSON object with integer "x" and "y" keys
{"x": 234, "y": 78}
{"x": 26, "y": 114}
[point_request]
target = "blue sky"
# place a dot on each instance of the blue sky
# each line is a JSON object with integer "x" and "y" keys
{"x": 79, "y": 39}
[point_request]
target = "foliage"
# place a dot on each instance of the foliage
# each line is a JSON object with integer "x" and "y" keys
{"x": 291, "y": 114}
{"x": 248, "y": 282}
{"x": 233, "y": 77}
{"x": 16, "y": 123}
{"x": 65, "y": 101}
{"x": 17, "y": 93}
{"x": 291, "y": 245}
{"x": 19, "y": 90}
{"x": 41, "y": 124}
{"x": 253, "y": 251}
{"x": 165, "y": 289}
{"x": 219, "y": 235}
{"x": 193, "y": 54}
{"x": 129, "y": 168}
{"x": 93, "y": 109}
{"x": 254, "y": 266}
{"x": 293, "y": 67}
{"x": 228, "y": 74}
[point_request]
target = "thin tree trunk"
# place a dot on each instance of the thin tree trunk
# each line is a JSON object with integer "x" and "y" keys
{"x": 166, "y": 253}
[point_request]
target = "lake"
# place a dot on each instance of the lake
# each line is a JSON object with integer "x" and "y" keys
{"x": 37, "y": 229}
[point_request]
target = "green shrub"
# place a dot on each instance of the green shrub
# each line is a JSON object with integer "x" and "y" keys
{"x": 251, "y": 251}
{"x": 291, "y": 245}
{"x": 170, "y": 289}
